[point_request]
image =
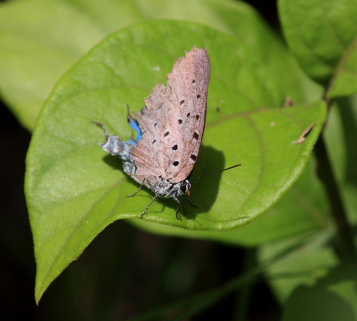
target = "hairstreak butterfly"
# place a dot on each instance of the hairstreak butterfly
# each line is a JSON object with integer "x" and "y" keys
{"x": 170, "y": 130}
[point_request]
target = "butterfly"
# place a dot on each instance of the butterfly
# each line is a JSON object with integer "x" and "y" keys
{"x": 169, "y": 130}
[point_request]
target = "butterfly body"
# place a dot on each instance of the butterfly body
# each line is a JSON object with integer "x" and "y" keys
{"x": 170, "y": 130}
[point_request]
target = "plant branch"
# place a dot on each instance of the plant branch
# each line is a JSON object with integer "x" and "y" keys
{"x": 347, "y": 250}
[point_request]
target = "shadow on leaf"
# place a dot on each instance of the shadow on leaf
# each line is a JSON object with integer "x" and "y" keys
{"x": 204, "y": 189}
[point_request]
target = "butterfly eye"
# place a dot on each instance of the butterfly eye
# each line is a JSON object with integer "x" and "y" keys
{"x": 184, "y": 188}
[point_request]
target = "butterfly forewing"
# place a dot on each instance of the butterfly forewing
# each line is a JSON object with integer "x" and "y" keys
{"x": 173, "y": 120}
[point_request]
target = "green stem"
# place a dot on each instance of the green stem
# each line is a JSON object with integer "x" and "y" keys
{"x": 347, "y": 249}
{"x": 243, "y": 296}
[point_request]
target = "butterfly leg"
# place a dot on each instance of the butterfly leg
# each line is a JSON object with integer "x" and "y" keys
{"x": 193, "y": 205}
{"x": 185, "y": 205}
{"x": 143, "y": 213}
{"x": 178, "y": 216}
{"x": 141, "y": 185}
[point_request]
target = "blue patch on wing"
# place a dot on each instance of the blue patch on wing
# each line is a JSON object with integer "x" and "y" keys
{"x": 135, "y": 125}
{"x": 132, "y": 142}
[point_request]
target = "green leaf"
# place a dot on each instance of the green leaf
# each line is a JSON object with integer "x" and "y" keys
{"x": 74, "y": 190}
{"x": 304, "y": 258}
{"x": 345, "y": 80}
{"x": 303, "y": 209}
{"x": 42, "y": 39}
{"x": 39, "y": 40}
{"x": 332, "y": 298}
{"x": 322, "y": 36}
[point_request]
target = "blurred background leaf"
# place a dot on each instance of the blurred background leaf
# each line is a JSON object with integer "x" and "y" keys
{"x": 42, "y": 39}
{"x": 323, "y": 39}
{"x": 333, "y": 296}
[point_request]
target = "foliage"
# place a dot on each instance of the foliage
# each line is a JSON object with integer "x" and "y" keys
{"x": 300, "y": 225}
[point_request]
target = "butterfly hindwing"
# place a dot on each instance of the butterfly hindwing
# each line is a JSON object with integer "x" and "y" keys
{"x": 173, "y": 120}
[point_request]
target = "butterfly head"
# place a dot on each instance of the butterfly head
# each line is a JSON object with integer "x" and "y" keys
{"x": 164, "y": 188}
{"x": 185, "y": 188}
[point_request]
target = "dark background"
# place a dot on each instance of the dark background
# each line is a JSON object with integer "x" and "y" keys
{"x": 125, "y": 271}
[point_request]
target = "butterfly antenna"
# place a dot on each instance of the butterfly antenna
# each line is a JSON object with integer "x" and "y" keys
{"x": 222, "y": 170}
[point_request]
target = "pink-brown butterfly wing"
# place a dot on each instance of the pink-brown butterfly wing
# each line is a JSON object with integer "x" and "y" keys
{"x": 173, "y": 120}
